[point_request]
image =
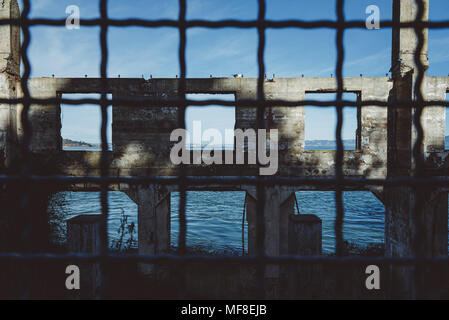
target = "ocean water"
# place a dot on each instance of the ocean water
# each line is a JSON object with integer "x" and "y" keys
{"x": 214, "y": 219}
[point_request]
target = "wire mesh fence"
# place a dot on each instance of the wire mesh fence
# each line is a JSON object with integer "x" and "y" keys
{"x": 337, "y": 183}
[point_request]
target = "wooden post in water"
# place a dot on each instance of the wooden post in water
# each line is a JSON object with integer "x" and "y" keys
{"x": 83, "y": 236}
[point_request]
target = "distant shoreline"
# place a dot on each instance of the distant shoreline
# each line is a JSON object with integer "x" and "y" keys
{"x": 316, "y": 144}
{"x": 67, "y": 143}
{"x": 326, "y": 144}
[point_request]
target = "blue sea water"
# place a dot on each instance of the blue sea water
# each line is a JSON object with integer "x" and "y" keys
{"x": 214, "y": 219}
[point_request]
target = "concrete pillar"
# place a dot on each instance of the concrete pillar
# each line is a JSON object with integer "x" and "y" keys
{"x": 287, "y": 209}
{"x": 373, "y": 130}
{"x": 83, "y": 236}
{"x": 405, "y": 40}
{"x": 305, "y": 235}
{"x": 407, "y": 235}
{"x": 153, "y": 221}
{"x": 9, "y": 76}
{"x": 416, "y": 218}
{"x": 278, "y": 205}
{"x": 304, "y": 238}
{"x": 251, "y": 217}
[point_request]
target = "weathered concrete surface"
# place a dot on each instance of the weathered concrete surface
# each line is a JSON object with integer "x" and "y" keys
{"x": 9, "y": 75}
{"x": 141, "y": 134}
{"x": 416, "y": 222}
{"x": 9, "y": 39}
{"x": 84, "y": 237}
{"x": 305, "y": 239}
{"x": 277, "y": 206}
{"x": 283, "y": 202}
{"x": 153, "y": 204}
{"x": 305, "y": 234}
{"x": 405, "y": 40}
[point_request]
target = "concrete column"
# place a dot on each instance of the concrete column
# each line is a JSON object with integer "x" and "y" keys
{"x": 374, "y": 133}
{"x": 304, "y": 235}
{"x": 9, "y": 75}
{"x": 84, "y": 236}
{"x": 405, "y": 40}
{"x": 251, "y": 217}
{"x": 287, "y": 209}
{"x": 304, "y": 238}
{"x": 278, "y": 205}
{"x": 407, "y": 235}
{"x": 416, "y": 218}
{"x": 153, "y": 221}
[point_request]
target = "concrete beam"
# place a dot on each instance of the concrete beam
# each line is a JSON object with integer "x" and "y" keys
{"x": 205, "y": 85}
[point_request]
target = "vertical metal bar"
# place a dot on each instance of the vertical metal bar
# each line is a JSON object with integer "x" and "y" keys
{"x": 417, "y": 92}
{"x": 182, "y": 248}
{"x": 418, "y": 219}
{"x": 260, "y": 234}
{"x": 181, "y": 124}
{"x": 340, "y": 153}
{"x": 26, "y": 140}
{"x": 104, "y": 119}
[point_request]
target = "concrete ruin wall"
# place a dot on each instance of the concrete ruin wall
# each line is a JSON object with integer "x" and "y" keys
{"x": 141, "y": 135}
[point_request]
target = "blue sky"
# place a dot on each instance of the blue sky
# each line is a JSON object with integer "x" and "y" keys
{"x": 289, "y": 52}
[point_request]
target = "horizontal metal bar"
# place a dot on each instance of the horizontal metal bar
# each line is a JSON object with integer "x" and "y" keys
{"x": 285, "y": 259}
{"x": 227, "y": 23}
{"x": 155, "y": 102}
{"x": 229, "y": 180}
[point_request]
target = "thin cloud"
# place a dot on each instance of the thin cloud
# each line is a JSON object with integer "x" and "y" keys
{"x": 371, "y": 59}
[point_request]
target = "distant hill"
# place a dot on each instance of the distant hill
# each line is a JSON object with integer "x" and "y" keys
{"x": 329, "y": 143}
{"x": 333, "y": 144}
{"x": 67, "y": 143}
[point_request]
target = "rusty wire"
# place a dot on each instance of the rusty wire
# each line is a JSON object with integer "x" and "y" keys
{"x": 338, "y": 183}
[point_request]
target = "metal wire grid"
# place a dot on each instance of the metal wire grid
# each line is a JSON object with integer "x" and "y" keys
{"x": 339, "y": 182}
